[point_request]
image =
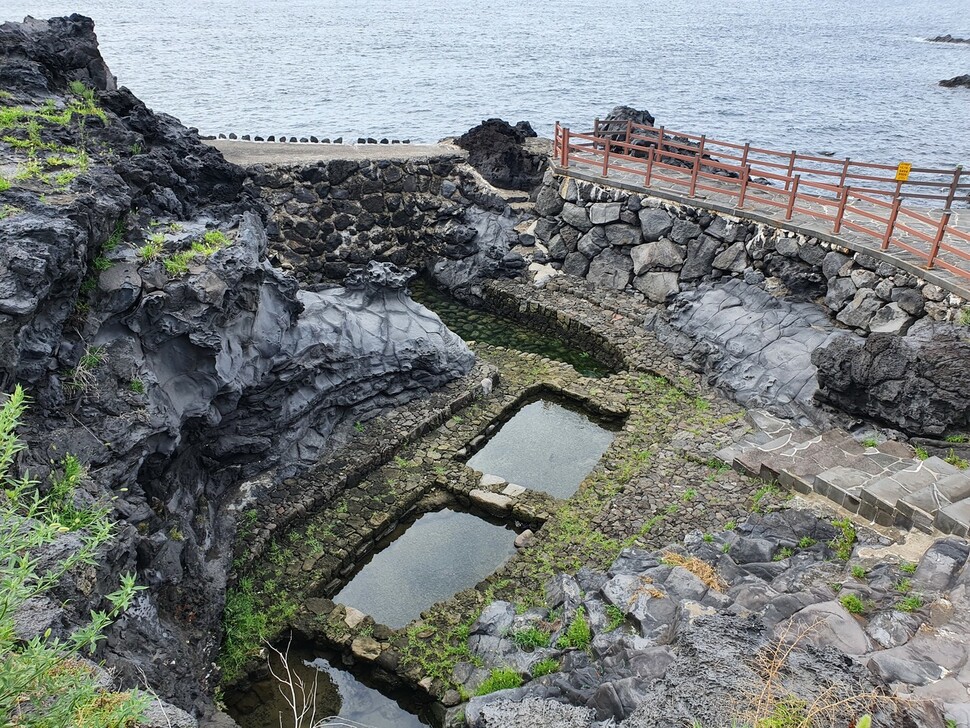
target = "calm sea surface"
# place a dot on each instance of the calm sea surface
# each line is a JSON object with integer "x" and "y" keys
{"x": 844, "y": 76}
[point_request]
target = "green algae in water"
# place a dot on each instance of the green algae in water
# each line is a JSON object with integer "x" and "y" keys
{"x": 479, "y": 325}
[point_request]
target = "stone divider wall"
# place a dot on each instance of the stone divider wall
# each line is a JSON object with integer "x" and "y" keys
{"x": 330, "y": 216}
{"x": 632, "y": 242}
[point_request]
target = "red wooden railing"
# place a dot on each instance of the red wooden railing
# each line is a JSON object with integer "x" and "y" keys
{"x": 816, "y": 186}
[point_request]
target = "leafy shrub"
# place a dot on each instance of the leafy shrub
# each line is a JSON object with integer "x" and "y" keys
{"x": 852, "y": 603}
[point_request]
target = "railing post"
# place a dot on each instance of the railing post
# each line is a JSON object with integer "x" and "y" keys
{"x": 791, "y": 168}
{"x": 845, "y": 172}
{"x": 606, "y": 160}
{"x": 842, "y": 204}
{"x": 629, "y": 132}
{"x": 791, "y": 197}
{"x": 957, "y": 173}
{"x": 565, "y": 147}
{"x": 649, "y": 172}
{"x": 697, "y": 166}
{"x": 744, "y": 155}
{"x": 944, "y": 221}
{"x": 596, "y": 127}
{"x": 660, "y": 144}
{"x": 745, "y": 176}
{"x": 891, "y": 225}
{"x": 556, "y": 151}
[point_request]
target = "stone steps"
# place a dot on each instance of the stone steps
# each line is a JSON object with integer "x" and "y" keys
{"x": 885, "y": 484}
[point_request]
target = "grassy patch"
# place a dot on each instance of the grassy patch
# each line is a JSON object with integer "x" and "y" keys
{"x": 843, "y": 543}
{"x": 908, "y": 567}
{"x": 501, "y": 678}
{"x": 249, "y": 619}
{"x": 545, "y": 667}
{"x": 859, "y": 572}
{"x": 955, "y": 460}
{"x": 615, "y": 617}
{"x": 852, "y": 603}
{"x": 910, "y": 603}
{"x": 578, "y": 635}
{"x": 531, "y": 638}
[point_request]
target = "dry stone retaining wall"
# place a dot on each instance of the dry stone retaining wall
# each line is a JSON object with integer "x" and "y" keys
{"x": 627, "y": 241}
{"x": 438, "y": 214}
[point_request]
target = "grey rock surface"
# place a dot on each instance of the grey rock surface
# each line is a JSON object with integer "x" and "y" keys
{"x": 754, "y": 345}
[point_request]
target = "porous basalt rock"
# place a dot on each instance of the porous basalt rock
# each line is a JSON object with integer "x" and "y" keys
{"x": 172, "y": 383}
{"x": 918, "y": 382}
{"x": 956, "y": 81}
{"x": 700, "y": 622}
{"x": 496, "y": 149}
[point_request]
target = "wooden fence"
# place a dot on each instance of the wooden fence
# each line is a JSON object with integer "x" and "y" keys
{"x": 876, "y": 200}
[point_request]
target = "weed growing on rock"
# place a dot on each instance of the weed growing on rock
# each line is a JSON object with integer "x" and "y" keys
{"x": 689, "y": 495}
{"x": 136, "y": 386}
{"x": 958, "y": 439}
{"x": 859, "y": 572}
{"x": 152, "y": 249}
{"x": 9, "y": 211}
{"x": 955, "y": 460}
{"x": 545, "y": 667}
{"x": 248, "y": 621}
{"x": 904, "y": 586}
{"x": 843, "y": 543}
{"x": 102, "y": 264}
{"x": 43, "y": 681}
{"x": 964, "y": 317}
{"x": 921, "y": 453}
{"x": 908, "y": 567}
{"x": 578, "y": 635}
{"x": 531, "y": 638}
{"x": 764, "y": 492}
{"x": 783, "y": 553}
{"x": 852, "y": 603}
{"x": 910, "y": 603}
{"x": 615, "y": 616}
{"x": 870, "y": 442}
{"x": 501, "y": 678}
{"x": 708, "y": 538}
{"x": 806, "y": 542}
{"x": 4, "y": 183}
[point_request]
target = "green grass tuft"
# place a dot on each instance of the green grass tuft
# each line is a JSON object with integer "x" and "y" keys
{"x": 545, "y": 667}
{"x": 501, "y": 678}
{"x": 852, "y": 603}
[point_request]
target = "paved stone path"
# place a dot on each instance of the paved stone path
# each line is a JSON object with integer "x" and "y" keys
{"x": 250, "y": 153}
{"x": 885, "y": 483}
{"x": 756, "y": 209}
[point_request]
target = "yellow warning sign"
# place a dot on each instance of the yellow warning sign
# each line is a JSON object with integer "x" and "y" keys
{"x": 903, "y": 170}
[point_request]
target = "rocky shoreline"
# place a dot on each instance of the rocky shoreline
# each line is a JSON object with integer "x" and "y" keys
{"x": 234, "y": 356}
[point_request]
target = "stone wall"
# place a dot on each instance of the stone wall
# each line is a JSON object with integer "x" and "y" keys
{"x": 437, "y": 215}
{"x": 655, "y": 248}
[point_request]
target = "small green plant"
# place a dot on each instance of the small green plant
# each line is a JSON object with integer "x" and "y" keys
{"x": 852, "y": 603}
{"x": 725, "y": 548}
{"x": 904, "y": 586}
{"x": 958, "y": 439}
{"x": 135, "y": 149}
{"x": 402, "y": 462}
{"x": 908, "y": 567}
{"x": 955, "y": 460}
{"x": 765, "y": 491}
{"x": 671, "y": 509}
{"x": 9, "y": 211}
{"x": 578, "y": 634}
{"x": 783, "y": 553}
{"x": 137, "y": 386}
{"x": 531, "y": 638}
{"x": 152, "y": 249}
{"x": 689, "y": 495}
{"x": 545, "y": 667}
{"x": 730, "y": 525}
{"x": 177, "y": 264}
{"x": 871, "y": 442}
{"x": 806, "y": 542}
{"x": 4, "y": 184}
{"x": 859, "y": 571}
{"x": 921, "y": 453}
{"x": 359, "y": 426}
{"x": 964, "y": 317}
{"x": 843, "y": 543}
{"x": 102, "y": 264}
{"x": 708, "y": 538}
{"x": 114, "y": 240}
{"x": 950, "y": 723}
{"x": 910, "y": 603}
{"x": 614, "y": 616}
{"x": 501, "y": 678}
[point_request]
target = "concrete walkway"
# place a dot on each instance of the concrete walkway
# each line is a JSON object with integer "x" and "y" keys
{"x": 757, "y": 210}
{"x": 246, "y": 154}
